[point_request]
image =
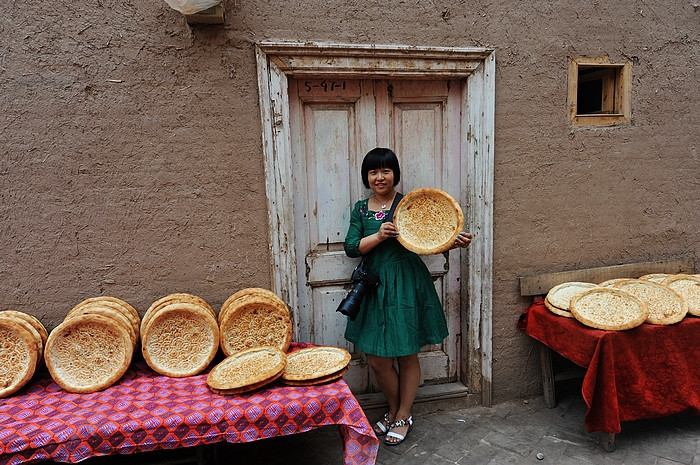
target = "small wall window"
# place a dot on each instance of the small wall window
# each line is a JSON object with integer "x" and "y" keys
{"x": 599, "y": 92}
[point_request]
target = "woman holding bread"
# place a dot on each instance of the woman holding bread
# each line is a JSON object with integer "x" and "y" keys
{"x": 404, "y": 312}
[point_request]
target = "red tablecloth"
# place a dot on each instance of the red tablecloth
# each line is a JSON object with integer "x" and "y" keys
{"x": 146, "y": 411}
{"x": 646, "y": 372}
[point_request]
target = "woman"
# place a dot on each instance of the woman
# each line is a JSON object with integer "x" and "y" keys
{"x": 404, "y": 313}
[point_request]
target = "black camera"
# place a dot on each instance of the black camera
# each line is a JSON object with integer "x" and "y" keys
{"x": 362, "y": 281}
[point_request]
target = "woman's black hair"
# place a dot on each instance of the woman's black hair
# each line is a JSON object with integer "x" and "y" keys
{"x": 380, "y": 158}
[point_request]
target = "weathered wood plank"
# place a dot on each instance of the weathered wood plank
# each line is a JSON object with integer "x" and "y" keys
{"x": 542, "y": 283}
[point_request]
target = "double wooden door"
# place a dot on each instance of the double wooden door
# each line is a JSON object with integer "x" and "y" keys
{"x": 334, "y": 123}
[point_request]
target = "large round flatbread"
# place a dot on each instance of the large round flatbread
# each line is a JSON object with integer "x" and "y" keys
{"x": 315, "y": 362}
{"x": 106, "y": 309}
{"x": 608, "y": 308}
{"x": 33, "y": 321}
{"x": 176, "y": 297}
{"x": 180, "y": 340}
{"x": 249, "y": 291}
{"x": 611, "y": 282}
{"x": 18, "y": 356}
{"x": 321, "y": 380}
{"x": 656, "y": 277}
{"x": 665, "y": 306}
{"x": 34, "y": 326}
{"x": 255, "y": 321}
{"x": 688, "y": 286}
{"x": 88, "y": 353}
{"x": 247, "y": 370}
{"x": 123, "y": 307}
{"x": 428, "y": 220}
{"x": 558, "y": 299}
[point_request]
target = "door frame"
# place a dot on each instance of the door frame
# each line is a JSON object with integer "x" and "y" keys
{"x": 277, "y": 61}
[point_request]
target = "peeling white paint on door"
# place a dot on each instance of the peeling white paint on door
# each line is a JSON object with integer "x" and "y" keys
{"x": 280, "y": 62}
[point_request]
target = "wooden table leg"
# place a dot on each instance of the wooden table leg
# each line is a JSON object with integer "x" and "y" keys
{"x": 608, "y": 441}
{"x": 550, "y": 399}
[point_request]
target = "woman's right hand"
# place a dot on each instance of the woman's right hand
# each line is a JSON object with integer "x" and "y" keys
{"x": 386, "y": 231}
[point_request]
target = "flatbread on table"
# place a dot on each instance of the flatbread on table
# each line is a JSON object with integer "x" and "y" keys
{"x": 558, "y": 299}
{"x": 249, "y": 291}
{"x": 656, "y": 277}
{"x": 33, "y": 321}
{"x": 88, "y": 353}
{"x": 106, "y": 309}
{"x": 323, "y": 379}
{"x": 176, "y": 297}
{"x": 611, "y": 282}
{"x": 254, "y": 321}
{"x": 665, "y": 306}
{"x": 428, "y": 220}
{"x": 608, "y": 308}
{"x": 19, "y": 355}
{"x": 315, "y": 362}
{"x": 247, "y": 370}
{"x": 688, "y": 286}
{"x": 123, "y": 307}
{"x": 181, "y": 339}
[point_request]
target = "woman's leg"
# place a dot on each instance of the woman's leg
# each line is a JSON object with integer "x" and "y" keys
{"x": 409, "y": 380}
{"x": 388, "y": 380}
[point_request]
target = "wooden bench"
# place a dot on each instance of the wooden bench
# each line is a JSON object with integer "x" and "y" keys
{"x": 537, "y": 286}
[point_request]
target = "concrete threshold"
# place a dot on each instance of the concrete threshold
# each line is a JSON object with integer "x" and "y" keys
{"x": 429, "y": 399}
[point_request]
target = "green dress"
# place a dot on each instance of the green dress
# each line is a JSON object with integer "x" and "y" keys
{"x": 404, "y": 313}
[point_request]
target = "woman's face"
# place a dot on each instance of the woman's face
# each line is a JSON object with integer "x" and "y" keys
{"x": 381, "y": 180}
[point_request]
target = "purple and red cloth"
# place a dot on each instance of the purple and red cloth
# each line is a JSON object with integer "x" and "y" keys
{"x": 645, "y": 372}
{"x": 145, "y": 411}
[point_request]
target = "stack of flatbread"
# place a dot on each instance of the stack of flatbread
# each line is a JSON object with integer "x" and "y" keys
{"x": 315, "y": 365}
{"x": 688, "y": 286}
{"x": 624, "y": 303}
{"x": 254, "y": 317}
{"x": 558, "y": 299}
{"x": 247, "y": 370}
{"x": 22, "y": 340}
{"x": 665, "y": 306}
{"x": 93, "y": 347}
{"x": 608, "y": 308}
{"x": 428, "y": 220}
{"x": 179, "y": 335}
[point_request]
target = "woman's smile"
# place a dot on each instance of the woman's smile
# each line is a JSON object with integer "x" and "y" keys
{"x": 381, "y": 181}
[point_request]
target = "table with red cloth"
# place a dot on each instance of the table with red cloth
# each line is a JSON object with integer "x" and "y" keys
{"x": 145, "y": 411}
{"x": 649, "y": 371}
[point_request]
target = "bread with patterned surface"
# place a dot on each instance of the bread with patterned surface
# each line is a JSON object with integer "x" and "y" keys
{"x": 558, "y": 299}
{"x": 18, "y": 355}
{"x": 315, "y": 362}
{"x": 428, "y": 220}
{"x": 123, "y": 307}
{"x": 665, "y": 306}
{"x": 88, "y": 353}
{"x": 247, "y": 370}
{"x": 180, "y": 339}
{"x": 608, "y": 308}
{"x": 255, "y": 321}
{"x": 688, "y": 286}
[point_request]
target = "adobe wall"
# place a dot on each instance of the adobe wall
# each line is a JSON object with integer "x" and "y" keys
{"x": 131, "y": 160}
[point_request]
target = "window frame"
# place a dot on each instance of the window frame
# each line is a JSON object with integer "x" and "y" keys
{"x": 617, "y": 87}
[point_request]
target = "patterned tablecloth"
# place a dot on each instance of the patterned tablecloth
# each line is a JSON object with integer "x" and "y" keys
{"x": 146, "y": 411}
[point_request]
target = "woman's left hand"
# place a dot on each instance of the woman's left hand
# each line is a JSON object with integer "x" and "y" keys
{"x": 463, "y": 240}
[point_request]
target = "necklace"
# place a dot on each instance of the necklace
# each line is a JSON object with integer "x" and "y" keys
{"x": 384, "y": 205}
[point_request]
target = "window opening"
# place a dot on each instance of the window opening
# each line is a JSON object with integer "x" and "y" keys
{"x": 599, "y": 92}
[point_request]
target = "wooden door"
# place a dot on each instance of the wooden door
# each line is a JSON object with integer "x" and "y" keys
{"x": 334, "y": 123}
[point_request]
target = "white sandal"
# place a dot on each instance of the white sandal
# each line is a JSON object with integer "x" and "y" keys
{"x": 384, "y": 424}
{"x": 401, "y": 438}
